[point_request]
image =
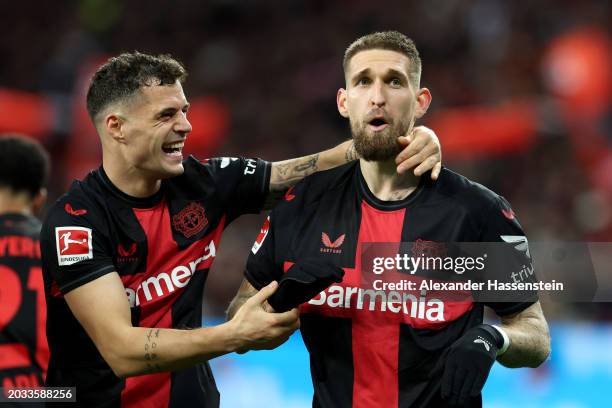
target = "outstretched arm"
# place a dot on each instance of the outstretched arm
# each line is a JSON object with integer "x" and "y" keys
{"x": 529, "y": 338}
{"x": 102, "y": 308}
{"x": 422, "y": 151}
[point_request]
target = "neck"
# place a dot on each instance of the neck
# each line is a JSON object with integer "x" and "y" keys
{"x": 384, "y": 182}
{"x": 129, "y": 180}
{"x": 11, "y": 203}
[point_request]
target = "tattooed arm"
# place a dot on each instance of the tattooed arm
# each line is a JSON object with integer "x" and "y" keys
{"x": 102, "y": 308}
{"x": 422, "y": 149}
{"x": 287, "y": 173}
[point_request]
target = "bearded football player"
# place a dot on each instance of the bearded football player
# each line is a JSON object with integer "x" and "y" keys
{"x": 368, "y": 348}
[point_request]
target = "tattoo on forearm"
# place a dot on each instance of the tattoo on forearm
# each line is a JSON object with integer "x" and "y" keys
{"x": 283, "y": 168}
{"x": 310, "y": 164}
{"x": 150, "y": 355}
{"x": 290, "y": 172}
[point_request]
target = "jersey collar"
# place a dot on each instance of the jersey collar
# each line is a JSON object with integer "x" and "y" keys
{"x": 135, "y": 202}
{"x": 375, "y": 202}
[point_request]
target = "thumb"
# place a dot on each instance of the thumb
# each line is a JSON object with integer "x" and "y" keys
{"x": 410, "y": 136}
{"x": 405, "y": 140}
{"x": 265, "y": 293}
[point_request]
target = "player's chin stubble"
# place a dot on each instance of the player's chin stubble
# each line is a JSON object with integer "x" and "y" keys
{"x": 379, "y": 146}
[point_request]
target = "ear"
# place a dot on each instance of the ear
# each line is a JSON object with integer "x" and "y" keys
{"x": 38, "y": 201}
{"x": 423, "y": 101}
{"x": 113, "y": 125}
{"x": 341, "y": 101}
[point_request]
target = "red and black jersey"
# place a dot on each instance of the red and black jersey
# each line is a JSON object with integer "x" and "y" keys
{"x": 23, "y": 346}
{"x": 162, "y": 247}
{"x": 368, "y": 350}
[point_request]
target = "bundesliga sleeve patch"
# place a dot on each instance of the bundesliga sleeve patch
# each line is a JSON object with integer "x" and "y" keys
{"x": 262, "y": 235}
{"x": 73, "y": 244}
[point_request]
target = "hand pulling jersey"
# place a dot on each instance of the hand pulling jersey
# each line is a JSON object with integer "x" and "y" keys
{"x": 372, "y": 348}
{"x": 162, "y": 247}
{"x": 24, "y": 353}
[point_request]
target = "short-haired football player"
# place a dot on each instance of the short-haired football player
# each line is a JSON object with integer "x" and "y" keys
{"x": 377, "y": 348}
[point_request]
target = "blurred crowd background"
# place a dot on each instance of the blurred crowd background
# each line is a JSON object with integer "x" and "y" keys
{"x": 521, "y": 94}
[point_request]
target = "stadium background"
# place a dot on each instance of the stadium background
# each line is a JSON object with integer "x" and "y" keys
{"x": 521, "y": 104}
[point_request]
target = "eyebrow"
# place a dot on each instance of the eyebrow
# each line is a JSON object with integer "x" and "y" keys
{"x": 390, "y": 72}
{"x": 359, "y": 74}
{"x": 171, "y": 110}
{"x": 395, "y": 72}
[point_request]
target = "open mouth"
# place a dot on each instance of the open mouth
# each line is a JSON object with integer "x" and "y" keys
{"x": 173, "y": 149}
{"x": 378, "y": 123}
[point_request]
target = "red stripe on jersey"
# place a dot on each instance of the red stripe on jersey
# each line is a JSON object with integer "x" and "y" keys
{"x": 14, "y": 355}
{"x": 169, "y": 269}
{"x": 376, "y": 335}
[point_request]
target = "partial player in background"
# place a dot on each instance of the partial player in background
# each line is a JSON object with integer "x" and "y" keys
{"x": 373, "y": 347}
{"x": 24, "y": 170}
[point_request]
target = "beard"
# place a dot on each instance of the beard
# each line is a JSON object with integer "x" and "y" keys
{"x": 378, "y": 146}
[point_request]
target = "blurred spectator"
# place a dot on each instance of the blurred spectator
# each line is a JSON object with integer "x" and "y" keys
{"x": 521, "y": 97}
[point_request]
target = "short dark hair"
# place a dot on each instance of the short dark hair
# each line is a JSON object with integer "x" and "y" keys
{"x": 24, "y": 164}
{"x": 387, "y": 40}
{"x": 122, "y": 76}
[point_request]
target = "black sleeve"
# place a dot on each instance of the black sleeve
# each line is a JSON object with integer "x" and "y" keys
{"x": 75, "y": 249}
{"x": 241, "y": 184}
{"x": 261, "y": 268}
{"x": 509, "y": 259}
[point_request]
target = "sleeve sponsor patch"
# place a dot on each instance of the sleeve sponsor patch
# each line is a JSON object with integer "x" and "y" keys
{"x": 262, "y": 235}
{"x": 74, "y": 244}
{"x": 225, "y": 161}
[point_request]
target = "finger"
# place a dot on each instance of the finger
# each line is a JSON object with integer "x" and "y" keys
{"x": 277, "y": 342}
{"x": 477, "y": 385}
{"x": 264, "y": 293}
{"x": 287, "y": 318}
{"x": 458, "y": 380}
{"x": 296, "y": 325}
{"x": 287, "y": 330}
{"x": 266, "y": 306}
{"x": 293, "y": 324}
{"x": 423, "y": 132}
{"x": 413, "y": 148}
{"x": 429, "y": 152}
{"x": 404, "y": 140}
{"x": 464, "y": 392}
{"x": 410, "y": 163}
{"x": 435, "y": 173}
{"x": 425, "y": 166}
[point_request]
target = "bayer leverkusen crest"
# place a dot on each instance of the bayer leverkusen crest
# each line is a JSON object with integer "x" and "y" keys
{"x": 190, "y": 220}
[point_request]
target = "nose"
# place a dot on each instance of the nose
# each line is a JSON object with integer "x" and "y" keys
{"x": 182, "y": 125}
{"x": 377, "y": 95}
